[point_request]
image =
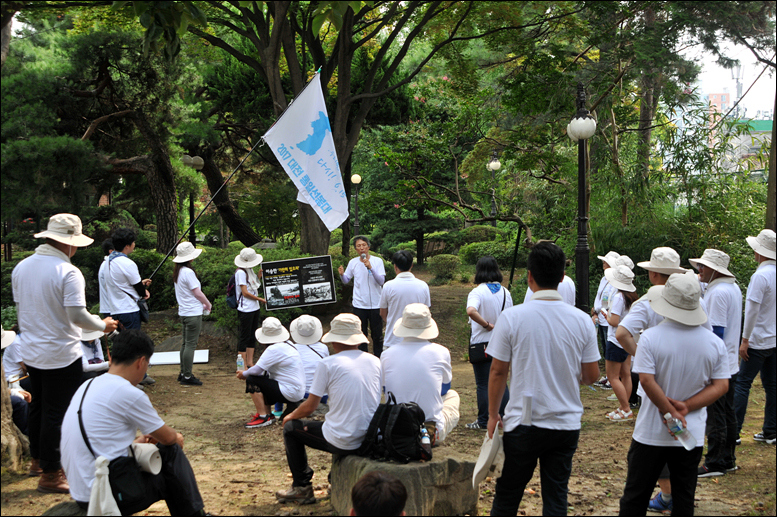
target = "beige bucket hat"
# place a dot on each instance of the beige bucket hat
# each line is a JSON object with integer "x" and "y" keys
{"x": 678, "y": 300}
{"x": 345, "y": 328}
{"x": 610, "y": 258}
{"x": 7, "y": 337}
{"x": 271, "y": 331}
{"x": 248, "y": 258}
{"x": 621, "y": 278}
{"x": 306, "y": 330}
{"x": 663, "y": 260}
{"x": 91, "y": 335}
{"x": 714, "y": 259}
{"x": 764, "y": 244}
{"x": 624, "y": 260}
{"x": 65, "y": 228}
{"x": 416, "y": 321}
{"x": 186, "y": 252}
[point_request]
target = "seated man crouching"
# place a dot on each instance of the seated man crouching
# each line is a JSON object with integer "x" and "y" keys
{"x": 417, "y": 370}
{"x": 112, "y": 412}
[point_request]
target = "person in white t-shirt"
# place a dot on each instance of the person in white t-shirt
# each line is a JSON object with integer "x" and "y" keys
{"x": 278, "y": 375}
{"x": 758, "y": 348}
{"x": 306, "y": 332}
{"x": 682, "y": 369}
{"x": 93, "y": 360}
{"x": 566, "y": 288}
{"x": 112, "y": 411}
{"x": 549, "y": 347}
{"x": 368, "y": 274}
{"x": 484, "y": 305}
{"x": 602, "y": 301}
{"x": 20, "y": 398}
{"x": 248, "y": 285}
{"x": 399, "y": 293}
{"x": 51, "y": 311}
{"x": 351, "y": 377}
{"x": 125, "y": 286}
{"x": 617, "y": 361}
{"x": 724, "y": 309}
{"x": 192, "y": 305}
{"x": 102, "y": 282}
{"x": 417, "y": 370}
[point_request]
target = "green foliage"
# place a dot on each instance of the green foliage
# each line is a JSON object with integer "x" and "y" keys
{"x": 444, "y": 267}
{"x": 336, "y": 237}
{"x": 501, "y": 251}
{"x": 8, "y": 316}
{"x": 481, "y": 233}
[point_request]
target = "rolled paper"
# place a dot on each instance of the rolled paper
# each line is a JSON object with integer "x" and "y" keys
{"x": 148, "y": 457}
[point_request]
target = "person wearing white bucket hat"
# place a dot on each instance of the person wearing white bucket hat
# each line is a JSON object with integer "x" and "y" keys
{"x": 277, "y": 377}
{"x": 192, "y": 306}
{"x": 93, "y": 361}
{"x": 758, "y": 348}
{"x": 351, "y": 378}
{"x": 306, "y": 332}
{"x": 682, "y": 368}
{"x": 248, "y": 285}
{"x": 51, "y": 302}
{"x": 617, "y": 361}
{"x": 602, "y": 301}
{"x": 103, "y": 419}
{"x": 723, "y": 298}
{"x": 542, "y": 419}
{"x": 417, "y": 370}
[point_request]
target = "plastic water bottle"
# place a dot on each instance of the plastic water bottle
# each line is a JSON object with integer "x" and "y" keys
{"x": 425, "y": 440}
{"x": 241, "y": 364}
{"x": 683, "y": 435}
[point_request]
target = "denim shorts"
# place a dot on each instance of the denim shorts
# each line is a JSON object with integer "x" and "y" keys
{"x": 615, "y": 353}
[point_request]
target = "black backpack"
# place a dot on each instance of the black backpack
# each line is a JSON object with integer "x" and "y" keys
{"x": 232, "y": 299}
{"x": 395, "y": 433}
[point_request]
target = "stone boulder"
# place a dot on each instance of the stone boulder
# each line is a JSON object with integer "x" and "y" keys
{"x": 442, "y": 486}
{"x": 69, "y": 509}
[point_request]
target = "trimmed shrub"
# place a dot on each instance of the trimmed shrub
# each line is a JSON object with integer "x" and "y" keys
{"x": 444, "y": 266}
{"x": 501, "y": 251}
{"x": 481, "y": 233}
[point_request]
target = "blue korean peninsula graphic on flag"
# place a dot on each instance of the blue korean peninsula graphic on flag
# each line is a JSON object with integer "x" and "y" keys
{"x": 302, "y": 141}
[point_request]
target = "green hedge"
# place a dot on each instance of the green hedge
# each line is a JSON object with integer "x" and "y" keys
{"x": 444, "y": 267}
{"x": 501, "y": 251}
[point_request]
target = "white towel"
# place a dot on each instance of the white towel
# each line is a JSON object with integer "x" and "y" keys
{"x": 101, "y": 501}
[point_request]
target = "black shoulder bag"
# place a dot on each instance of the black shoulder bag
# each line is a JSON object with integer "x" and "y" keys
{"x": 477, "y": 351}
{"x": 124, "y": 473}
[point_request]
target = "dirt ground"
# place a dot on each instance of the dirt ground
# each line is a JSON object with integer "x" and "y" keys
{"x": 239, "y": 470}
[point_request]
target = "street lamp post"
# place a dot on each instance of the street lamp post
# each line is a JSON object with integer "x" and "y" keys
{"x": 493, "y": 165}
{"x": 581, "y": 128}
{"x": 356, "y": 181}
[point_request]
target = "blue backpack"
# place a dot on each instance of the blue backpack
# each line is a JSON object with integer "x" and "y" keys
{"x": 232, "y": 298}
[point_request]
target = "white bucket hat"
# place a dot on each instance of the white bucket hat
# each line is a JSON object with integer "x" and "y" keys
{"x": 416, "y": 321}
{"x": 91, "y": 335}
{"x": 306, "y": 330}
{"x": 624, "y": 260}
{"x": 7, "y": 337}
{"x": 248, "y": 258}
{"x": 678, "y": 300}
{"x": 764, "y": 244}
{"x": 620, "y": 277}
{"x": 186, "y": 252}
{"x": 610, "y": 258}
{"x": 271, "y": 331}
{"x": 663, "y": 260}
{"x": 65, "y": 228}
{"x": 714, "y": 259}
{"x": 346, "y": 329}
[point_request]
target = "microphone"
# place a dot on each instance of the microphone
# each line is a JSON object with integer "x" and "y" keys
{"x": 363, "y": 256}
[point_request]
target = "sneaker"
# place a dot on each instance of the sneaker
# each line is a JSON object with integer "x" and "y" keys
{"x": 260, "y": 421}
{"x": 53, "y": 483}
{"x": 732, "y": 469}
{"x": 602, "y": 380}
{"x": 634, "y": 405}
{"x": 612, "y": 397}
{"x": 299, "y": 494}
{"x": 180, "y": 377}
{"x": 657, "y": 504}
{"x": 706, "y": 472}
{"x": 475, "y": 426}
{"x": 739, "y": 441}
{"x": 35, "y": 469}
{"x": 606, "y": 386}
{"x": 148, "y": 381}
{"x": 759, "y": 437}
{"x": 191, "y": 381}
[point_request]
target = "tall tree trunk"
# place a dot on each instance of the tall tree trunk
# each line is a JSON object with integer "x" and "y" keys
{"x": 419, "y": 237}
{"x": 14, "y": 444}
{"x": 5, "y": 37}
{"x": 771, "y": 193}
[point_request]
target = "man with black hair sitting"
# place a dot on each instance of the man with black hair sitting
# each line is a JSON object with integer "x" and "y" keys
{"x": 377, "y": 493}
{"x": 112, "y": 410}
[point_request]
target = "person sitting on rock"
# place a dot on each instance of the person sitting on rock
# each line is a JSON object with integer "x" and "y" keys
{"x": 417, "y": 370}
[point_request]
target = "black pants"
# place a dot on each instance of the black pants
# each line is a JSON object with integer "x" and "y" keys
{"x": 300, "y": 433}
{"x": 722, "y": 431}
{"x": 482, "y": 371}
{"x": 20, "y": 413}
{"x": 175, "y": 484}
{"x": 645, "y": 465}
{"x": 371, "y": 316}
{"x": 51, "y": 392}
{"x": 523, "y": 446}
{"x": 248, "y": 322}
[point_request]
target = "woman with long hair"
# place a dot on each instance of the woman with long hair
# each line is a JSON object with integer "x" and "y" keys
{"x": 192, "y": 303}
{"x": 484, "y": 305}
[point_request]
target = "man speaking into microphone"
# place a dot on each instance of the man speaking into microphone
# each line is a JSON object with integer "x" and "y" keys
{"x": 368, "y": 274}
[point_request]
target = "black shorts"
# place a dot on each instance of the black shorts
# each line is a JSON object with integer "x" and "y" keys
{"x": 615, "y": 353}
{"x": 267, "y": 387}
{"x": 248, "y": 323}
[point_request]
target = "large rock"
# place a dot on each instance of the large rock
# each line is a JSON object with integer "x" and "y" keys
{"x": 442, "y": 486}
{"x": 69, "y": 509}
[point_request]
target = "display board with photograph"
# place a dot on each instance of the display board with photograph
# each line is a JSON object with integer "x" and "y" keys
{"x": 298, "y": 282}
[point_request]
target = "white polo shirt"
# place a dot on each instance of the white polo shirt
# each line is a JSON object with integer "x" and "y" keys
{"x": 762, "y": 290}
{"x": 546, "y": 341}
{"x": 684, "y": 360}
{"x": 43, "y": 286}
{"x": 352, "y": 380}
{"x": 188, "y": 304}
{"x": 398, "y": 294}
{"x": 724, "y": 306}
{"x": 122, "y": 276}
{"x": 366, "y": 290}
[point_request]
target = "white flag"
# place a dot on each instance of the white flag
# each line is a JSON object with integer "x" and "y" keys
{"x": 302, "y": 141}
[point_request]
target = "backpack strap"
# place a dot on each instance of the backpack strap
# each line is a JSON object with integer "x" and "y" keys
{"x": 81, "y": 424}
{"x": 389, "y": 431}
{"x": 372, "y": 431}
